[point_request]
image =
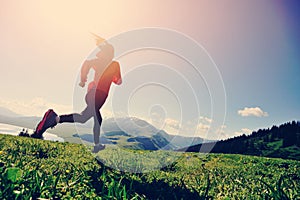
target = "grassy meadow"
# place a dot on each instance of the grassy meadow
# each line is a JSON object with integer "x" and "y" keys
{"x": 32, "y": 169}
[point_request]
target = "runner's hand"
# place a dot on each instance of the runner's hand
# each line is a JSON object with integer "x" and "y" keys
{"x": 81, "y": 84}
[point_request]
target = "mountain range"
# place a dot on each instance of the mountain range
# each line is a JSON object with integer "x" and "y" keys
{"x": 135, "y": 133}
{"x": 129, "y": 132}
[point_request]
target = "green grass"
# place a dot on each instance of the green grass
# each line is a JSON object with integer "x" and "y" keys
{"x": 274, "y": 145}
{"x": 32, "y": 168}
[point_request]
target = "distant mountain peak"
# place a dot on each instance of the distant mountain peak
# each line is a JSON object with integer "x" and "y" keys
{"x": 8, "y": 113}
{"x": 131, "y": 125}
{"x": 140, "y": 130}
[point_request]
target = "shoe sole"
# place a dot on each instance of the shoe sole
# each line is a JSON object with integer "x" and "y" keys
{"x": 98, "y": 150}
{"x": 36, "y": 136}
{"x": 41, "y": 125}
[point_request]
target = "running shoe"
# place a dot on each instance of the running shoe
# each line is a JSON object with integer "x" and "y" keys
{"x": 98, "y": 148}
{"x": 49, "y": 120}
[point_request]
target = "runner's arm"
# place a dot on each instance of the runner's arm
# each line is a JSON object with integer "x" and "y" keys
{"x": 117, "y": 78}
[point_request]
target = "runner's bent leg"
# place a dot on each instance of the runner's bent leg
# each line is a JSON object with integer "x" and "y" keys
{"x": 85, "y": 115}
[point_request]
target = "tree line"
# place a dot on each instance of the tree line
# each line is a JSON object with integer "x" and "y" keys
{"x": 264, "y": 142}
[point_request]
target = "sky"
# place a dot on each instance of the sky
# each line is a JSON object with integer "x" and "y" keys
{"x": 254, "y": 46}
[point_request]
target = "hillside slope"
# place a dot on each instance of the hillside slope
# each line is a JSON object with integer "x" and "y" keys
{"x": 279, "y": 142}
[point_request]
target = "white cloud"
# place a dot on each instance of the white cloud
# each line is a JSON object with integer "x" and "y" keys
{"x": 172, "y": 126}
{"x": 202, "y": 127}
{"x": 172, "y": 123}
{"x": 257, "y": 112}
{"x": 34, "y": 107}
{"x": 220, "y": 133}
{"x": 205, "y": 119}
{"x": 245, "y": 131}
{"x": 202, "y": 130}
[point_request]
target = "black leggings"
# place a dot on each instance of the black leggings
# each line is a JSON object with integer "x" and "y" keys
{"x": 94, "y": 100}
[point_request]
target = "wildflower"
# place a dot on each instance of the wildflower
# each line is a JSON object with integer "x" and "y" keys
{"x": 16, "y": 192}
